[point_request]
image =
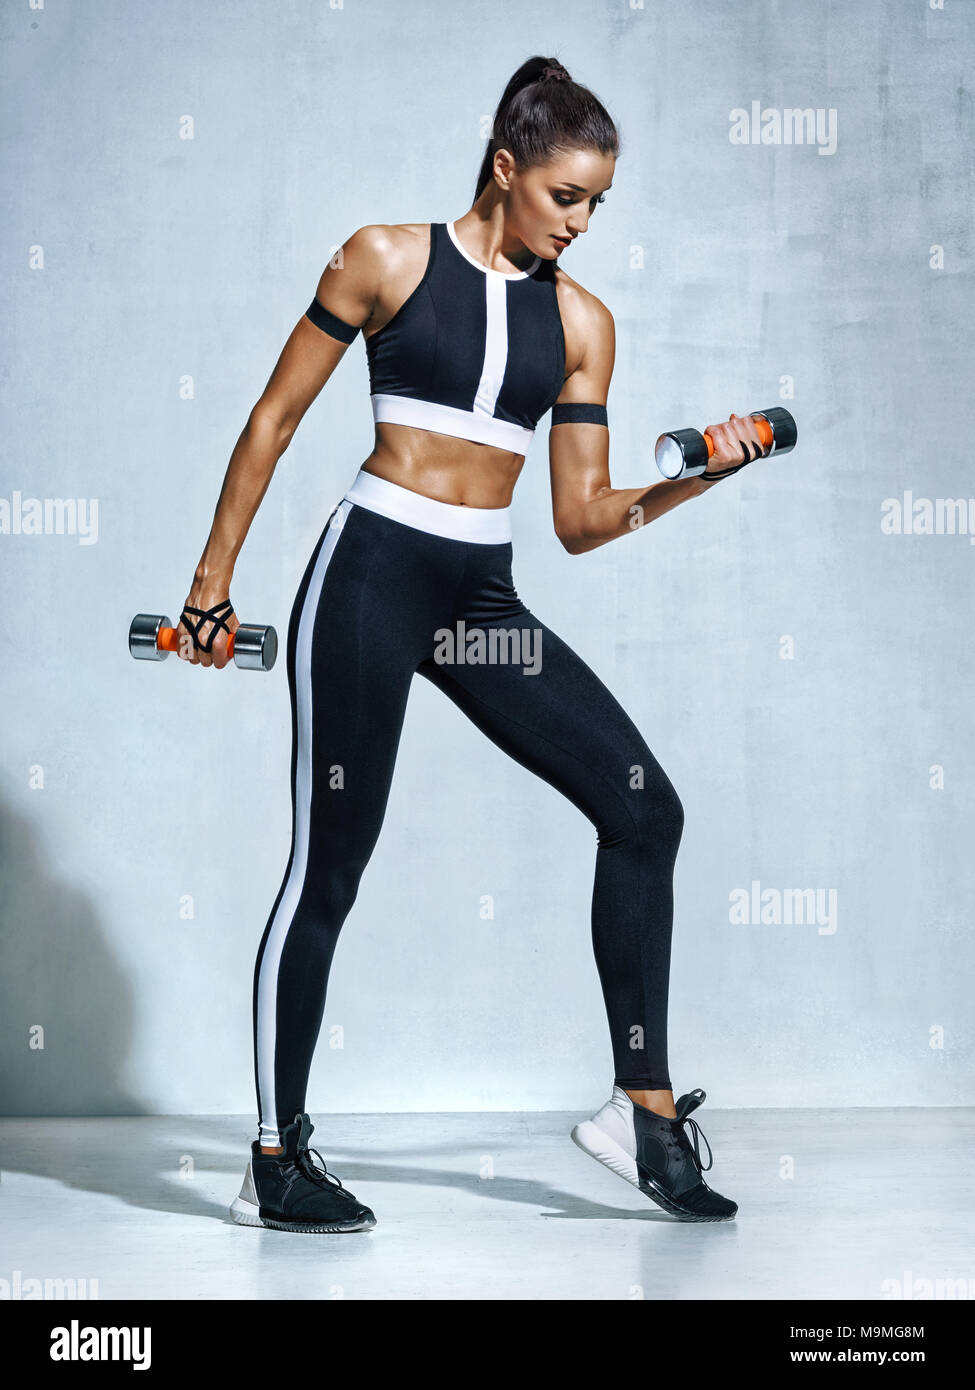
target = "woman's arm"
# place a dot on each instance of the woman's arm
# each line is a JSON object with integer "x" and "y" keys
{"x": 586, "y": 509}
{"x": 348, "y": 289}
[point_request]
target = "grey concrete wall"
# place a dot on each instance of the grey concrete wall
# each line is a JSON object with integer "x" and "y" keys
{"x": 798, "y": 658}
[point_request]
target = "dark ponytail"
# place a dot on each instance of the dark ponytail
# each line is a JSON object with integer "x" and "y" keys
{"x": 541, "y": 112}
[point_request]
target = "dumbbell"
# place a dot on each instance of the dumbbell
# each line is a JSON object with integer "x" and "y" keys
{"x": 685, "y": 453}
{"x": 152, "y": 637}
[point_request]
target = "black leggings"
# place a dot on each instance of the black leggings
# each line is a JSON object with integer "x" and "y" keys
{"x": 381, "y": 599}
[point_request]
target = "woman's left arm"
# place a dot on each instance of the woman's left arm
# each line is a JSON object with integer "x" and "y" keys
{"x": 586, "y": 509}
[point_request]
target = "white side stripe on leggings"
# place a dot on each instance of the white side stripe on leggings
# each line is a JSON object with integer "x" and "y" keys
{"x": 267, "y": 988}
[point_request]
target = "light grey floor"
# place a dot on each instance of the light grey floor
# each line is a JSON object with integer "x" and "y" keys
{"x": 496, "y": 1206}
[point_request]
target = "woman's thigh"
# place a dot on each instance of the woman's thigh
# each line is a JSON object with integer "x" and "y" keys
{"x": 549, "y": 711}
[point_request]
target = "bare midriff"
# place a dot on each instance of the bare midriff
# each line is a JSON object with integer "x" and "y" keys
{"x": 457, "y": 471}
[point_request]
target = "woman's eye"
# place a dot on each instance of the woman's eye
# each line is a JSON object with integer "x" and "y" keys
{"x": 600, "y": 199}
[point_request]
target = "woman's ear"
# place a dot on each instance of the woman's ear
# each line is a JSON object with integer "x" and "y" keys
{"x": 504, "y": 167}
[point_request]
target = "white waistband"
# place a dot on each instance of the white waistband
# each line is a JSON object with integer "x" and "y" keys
{"x": 486, "y": 525}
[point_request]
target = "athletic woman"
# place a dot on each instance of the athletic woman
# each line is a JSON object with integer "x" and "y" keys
{"x": 473, "y": 331}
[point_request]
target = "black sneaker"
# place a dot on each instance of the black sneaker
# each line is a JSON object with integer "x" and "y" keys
{"x": 289, "y": 1193}
{"x": 655, "y": 1155}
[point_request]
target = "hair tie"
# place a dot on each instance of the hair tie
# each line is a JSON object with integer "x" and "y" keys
{"x": 555, "y": 72}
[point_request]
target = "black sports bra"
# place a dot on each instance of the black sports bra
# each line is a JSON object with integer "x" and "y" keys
{"x": 472, "y": 352}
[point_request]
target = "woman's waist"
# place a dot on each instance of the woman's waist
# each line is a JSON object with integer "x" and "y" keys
{"x": 457, "y": 471}
{"x": 407, "y": 504}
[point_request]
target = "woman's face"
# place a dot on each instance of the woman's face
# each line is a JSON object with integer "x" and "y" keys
{"x": 550, "y": 204}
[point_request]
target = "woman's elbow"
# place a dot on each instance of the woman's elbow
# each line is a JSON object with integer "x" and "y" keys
{"x": 571, "y": 538}
{"x": 273, "y": 426}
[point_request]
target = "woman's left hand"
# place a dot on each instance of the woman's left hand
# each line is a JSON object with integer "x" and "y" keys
{"x": 736, "y": 442}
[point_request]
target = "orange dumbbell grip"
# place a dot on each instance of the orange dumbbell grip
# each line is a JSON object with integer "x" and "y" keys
{"x": 168, "y": 640}
{"x": 762, "y": 428}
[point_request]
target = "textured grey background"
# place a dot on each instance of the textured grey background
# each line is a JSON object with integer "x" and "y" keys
{"x": 729, "y": 269}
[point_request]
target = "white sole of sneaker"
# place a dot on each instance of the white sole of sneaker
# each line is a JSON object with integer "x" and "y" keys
{"x": 245, "y": 1213}
{"x": 598, "y": 1145}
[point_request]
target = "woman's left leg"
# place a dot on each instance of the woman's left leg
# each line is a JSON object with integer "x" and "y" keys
{"x": 551, "y": 713}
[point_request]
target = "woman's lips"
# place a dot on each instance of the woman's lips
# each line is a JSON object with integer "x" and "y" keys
{"x": 563, "y": 241}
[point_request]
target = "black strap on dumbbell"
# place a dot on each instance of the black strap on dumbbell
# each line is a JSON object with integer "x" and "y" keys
{"x": 208, "y": 615}
{"x": 738, "y": 466}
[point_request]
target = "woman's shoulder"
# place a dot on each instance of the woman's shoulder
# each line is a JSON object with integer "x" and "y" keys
{"x": 385, "y": 257}
{"x": 580, "y": 308}
{"x": 385, "y": 239}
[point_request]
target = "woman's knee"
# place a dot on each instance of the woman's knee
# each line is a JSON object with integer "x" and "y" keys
{"x": 329, "y": 892}
{"x": 662, "y": 818}
{"x": 649, "y": 819}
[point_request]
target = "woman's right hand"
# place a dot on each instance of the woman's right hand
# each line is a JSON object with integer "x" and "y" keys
{"x": 206, "y": 594}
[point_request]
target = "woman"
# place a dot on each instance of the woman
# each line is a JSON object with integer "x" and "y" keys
{"x": 472, "y": 332}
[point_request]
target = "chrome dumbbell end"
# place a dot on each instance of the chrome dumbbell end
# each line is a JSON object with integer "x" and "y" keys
{"x": 255, "y": 648}
{"x": 681, "y": 453}
{"x": 784, "y": 430}
{"x": 144, "y": 637}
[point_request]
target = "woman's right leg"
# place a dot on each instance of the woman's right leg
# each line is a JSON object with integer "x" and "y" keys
{"x": 353, "y": 642}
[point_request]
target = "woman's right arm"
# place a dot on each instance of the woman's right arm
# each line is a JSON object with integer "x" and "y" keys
{"x": 348, "y": 288}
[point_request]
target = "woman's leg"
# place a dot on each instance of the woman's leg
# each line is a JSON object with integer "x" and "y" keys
{"x": 356, "y": 628}
{"x": 564, "y": 725}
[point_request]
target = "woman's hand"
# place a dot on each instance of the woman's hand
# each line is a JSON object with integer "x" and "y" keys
{"x": 206, "y": 594}
{"x": 729, "y": 438}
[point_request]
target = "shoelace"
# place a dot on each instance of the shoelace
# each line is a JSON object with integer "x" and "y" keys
{"x": 322, "y": 1174}
{"x": 696, "y": 1130}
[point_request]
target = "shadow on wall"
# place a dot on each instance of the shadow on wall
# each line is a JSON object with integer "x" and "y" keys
{"x": 58, "y": 974}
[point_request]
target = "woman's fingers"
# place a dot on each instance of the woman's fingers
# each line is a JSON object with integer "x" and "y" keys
{"x": 726, "y": 449}
{"x": 219, "y": 653}
{"x": 747, "y": 432}
{"x": 736, "y": 440}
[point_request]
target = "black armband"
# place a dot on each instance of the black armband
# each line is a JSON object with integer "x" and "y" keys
{"x": 574, "y": 413}
{"x": 329, "y": 323}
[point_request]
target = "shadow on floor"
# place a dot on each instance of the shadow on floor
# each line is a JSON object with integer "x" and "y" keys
{"x": 136, "y": 1164}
